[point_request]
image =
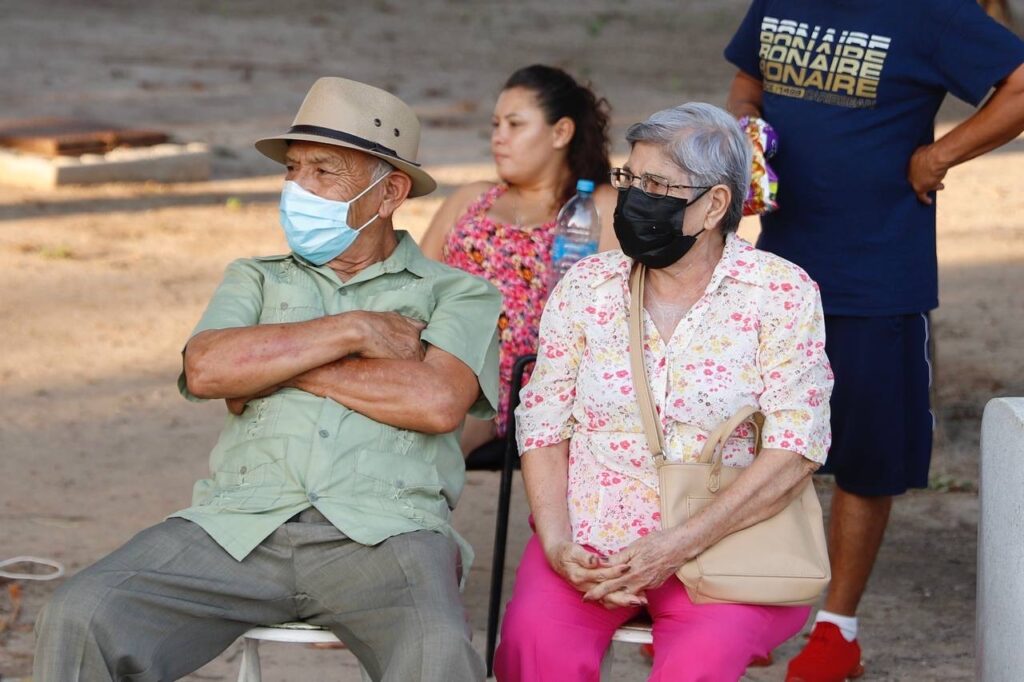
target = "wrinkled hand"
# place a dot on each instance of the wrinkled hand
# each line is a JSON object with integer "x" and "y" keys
{"x": 925, "y": 173}
{"x": 649, "y": 562}
{"x": 580, "y": 568}
{"x": 390, "y": 336}
{"x": 236, "y": 406}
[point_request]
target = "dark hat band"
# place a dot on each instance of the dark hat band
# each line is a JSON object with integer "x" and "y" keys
{"x": 360, "y": 142}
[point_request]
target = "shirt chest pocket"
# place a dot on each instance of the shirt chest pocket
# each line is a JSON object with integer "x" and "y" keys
{"x": 415, "y": 300}
{"x": 413, "y": 483}
{"x": 291, "y": 304}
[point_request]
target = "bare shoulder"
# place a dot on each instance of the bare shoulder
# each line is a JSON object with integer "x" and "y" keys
{"x": 447, "y": 215}
{"x": 605, "y": 193}
{"x": 466, "y": 194}
{"x": 605, "y": 198}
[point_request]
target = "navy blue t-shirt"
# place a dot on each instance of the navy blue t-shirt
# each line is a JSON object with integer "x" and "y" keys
{"x": 852, "y": 88}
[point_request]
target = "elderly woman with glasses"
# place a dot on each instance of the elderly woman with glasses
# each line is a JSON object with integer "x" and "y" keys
{"x": 725, "y": 326}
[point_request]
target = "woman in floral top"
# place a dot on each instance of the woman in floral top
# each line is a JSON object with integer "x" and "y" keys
{"x": 548, "y": 132}
{"x": 725, "y": 326}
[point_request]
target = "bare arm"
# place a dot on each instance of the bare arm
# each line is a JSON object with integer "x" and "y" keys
{"x": 762, "y": 490}
{"x": 249, "y": 361}
{"x": 546, "y": 475}
{"x": 605, "y": 199}
{"x": 432, "y": 396}
{"x": 1000, "y": 120}
{"x": 745, "y": 96}
{"x": 444, "y": 220}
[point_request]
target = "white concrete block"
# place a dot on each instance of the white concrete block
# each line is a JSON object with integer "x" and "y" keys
{"x": 159, "y": 163}
{"x": 1000, "y": 607}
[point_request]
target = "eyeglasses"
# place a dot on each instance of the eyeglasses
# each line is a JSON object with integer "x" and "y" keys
{"x": 653, "y": 186}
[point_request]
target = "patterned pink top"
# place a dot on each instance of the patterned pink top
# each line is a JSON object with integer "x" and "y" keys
{"x": 756, "y": 337}
{"x": 514, "y": 259}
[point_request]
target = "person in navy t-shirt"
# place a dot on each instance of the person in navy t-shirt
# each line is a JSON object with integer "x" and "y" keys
{"x": 852, "y": 89}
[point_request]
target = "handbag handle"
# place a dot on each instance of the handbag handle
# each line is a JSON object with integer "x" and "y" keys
{"x": 712, "y": 451}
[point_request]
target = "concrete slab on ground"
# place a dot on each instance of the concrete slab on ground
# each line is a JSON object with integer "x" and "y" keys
{"x": 188, "y": 162}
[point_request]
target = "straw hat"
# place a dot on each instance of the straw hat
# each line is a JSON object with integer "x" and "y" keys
{"x": 345, "y": 113}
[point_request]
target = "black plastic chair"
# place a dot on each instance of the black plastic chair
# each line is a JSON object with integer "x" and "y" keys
{"x": 503, "y": 455}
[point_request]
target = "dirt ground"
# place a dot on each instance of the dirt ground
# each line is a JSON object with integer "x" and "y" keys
{"x": 99, "y": 287}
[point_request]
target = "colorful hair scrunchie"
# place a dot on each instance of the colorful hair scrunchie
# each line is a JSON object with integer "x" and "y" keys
{"x": 764, "y": 184}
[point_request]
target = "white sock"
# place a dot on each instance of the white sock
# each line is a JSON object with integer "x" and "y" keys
{"x": 847, "y": 624}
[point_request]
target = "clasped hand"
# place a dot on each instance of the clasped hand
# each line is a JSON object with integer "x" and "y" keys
{"x": 622, "y": 579}
{"x": 390, "y": 336}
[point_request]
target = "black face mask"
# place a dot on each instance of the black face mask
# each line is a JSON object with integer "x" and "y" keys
{"x": 651, "y": 230}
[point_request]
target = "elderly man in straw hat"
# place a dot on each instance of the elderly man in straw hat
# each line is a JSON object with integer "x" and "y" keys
{"x": 348, "y": 366}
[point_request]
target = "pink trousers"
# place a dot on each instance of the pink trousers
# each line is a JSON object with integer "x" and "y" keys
{"x": 550, "y": 633}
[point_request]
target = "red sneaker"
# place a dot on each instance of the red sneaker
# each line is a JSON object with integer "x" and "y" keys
{"x": 828, "y": 657}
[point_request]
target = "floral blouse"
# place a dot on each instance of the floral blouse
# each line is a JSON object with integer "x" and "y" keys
{"x": 756, "y": 337}
{"x": 514, "y": 259}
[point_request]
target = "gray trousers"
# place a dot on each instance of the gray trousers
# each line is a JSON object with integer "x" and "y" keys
{"x": 172, "y": 599}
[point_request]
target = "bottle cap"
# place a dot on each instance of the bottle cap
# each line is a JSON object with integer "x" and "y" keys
{"x": 584, "y": 185}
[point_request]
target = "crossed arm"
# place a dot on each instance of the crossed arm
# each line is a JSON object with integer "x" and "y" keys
{"x": 373, "y": 363}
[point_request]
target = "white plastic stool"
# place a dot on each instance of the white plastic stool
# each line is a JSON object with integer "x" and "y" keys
{"x": 636, "y": 631}
{"x": 302, "y": 633}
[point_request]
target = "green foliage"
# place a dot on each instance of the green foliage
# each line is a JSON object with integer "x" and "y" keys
{"x": 945, "y": 483}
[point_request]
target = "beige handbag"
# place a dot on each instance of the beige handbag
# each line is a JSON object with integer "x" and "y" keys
{"x": 780, "y": 561}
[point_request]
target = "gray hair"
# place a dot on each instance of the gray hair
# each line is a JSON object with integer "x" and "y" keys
{"x": 707, "y": 143}
{"x": 382, "y": 168}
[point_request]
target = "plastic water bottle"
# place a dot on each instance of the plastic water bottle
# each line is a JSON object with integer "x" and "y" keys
{"x": 577, "y": 232}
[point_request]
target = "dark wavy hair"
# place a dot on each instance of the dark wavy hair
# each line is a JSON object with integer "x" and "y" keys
{"x": 559, "y": 95}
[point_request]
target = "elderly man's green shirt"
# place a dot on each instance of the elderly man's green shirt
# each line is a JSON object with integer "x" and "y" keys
{"x": 293, "y": 450}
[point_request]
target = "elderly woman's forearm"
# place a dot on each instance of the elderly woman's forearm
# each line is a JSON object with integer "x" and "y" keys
{"x": 760, "y": 492}
{"x": 546, "y": 477}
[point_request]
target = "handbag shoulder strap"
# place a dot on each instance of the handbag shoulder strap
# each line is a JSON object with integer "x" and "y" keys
{"x": 712, "y": 451}
{"x": 641, "y": 385}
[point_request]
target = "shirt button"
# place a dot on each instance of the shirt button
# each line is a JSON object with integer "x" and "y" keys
{"x": 344, "y": 292}
{"x": 323, "y": 433}
{"x": 284, "y": 306}
{"x": 313, "y": 497}
{"x": 243, "y": 470}
{"x": 399, "y": 483}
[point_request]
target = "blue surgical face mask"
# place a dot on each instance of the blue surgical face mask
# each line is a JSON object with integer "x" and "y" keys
{"x": 316, "y": 228}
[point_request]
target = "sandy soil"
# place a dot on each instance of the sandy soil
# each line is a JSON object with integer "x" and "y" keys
{"x": 100, "y": 286}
